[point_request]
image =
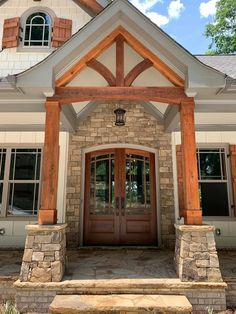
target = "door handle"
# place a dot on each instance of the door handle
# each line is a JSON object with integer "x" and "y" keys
{"x": 122, "y": 206}
{"x": 117, "y": 205}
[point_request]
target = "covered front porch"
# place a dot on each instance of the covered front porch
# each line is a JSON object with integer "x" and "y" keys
{"x": 160, "y": 94}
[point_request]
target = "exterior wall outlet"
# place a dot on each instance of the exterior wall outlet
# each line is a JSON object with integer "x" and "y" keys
{"x": 2, "y": 231}
{"x": 218, "y": 232}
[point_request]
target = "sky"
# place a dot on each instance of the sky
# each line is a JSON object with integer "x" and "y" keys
{"x": 183, "y": 20}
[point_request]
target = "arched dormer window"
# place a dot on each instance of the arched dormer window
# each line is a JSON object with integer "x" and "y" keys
{"x": 37, "y": 30}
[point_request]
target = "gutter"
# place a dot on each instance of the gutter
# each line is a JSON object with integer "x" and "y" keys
{"x": 230, "y": 86}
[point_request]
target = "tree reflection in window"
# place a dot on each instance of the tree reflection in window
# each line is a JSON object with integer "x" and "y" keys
{"x": 137, "y": 184}
{"x": 38, "y": 30}
{"x": 213, "y": 183}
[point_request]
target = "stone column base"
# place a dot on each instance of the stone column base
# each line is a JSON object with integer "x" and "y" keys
{"x": 196, "y": 257}
{"x": 45, "y": 253}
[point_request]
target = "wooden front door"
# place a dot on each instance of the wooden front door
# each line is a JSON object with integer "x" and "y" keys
{"x": 120, "y": 198}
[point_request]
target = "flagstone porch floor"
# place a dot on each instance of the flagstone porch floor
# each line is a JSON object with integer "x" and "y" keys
{"x": 93, "y": 263}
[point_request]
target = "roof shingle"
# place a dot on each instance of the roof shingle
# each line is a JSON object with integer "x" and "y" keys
{"x": 223, "y": 63}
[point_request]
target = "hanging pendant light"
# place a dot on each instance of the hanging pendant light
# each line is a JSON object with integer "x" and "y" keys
{"x": 120, "y": 117}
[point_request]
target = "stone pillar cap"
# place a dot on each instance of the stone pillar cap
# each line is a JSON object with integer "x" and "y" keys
{"x": 195, "y": 228}
{"x": 40, "y": 228}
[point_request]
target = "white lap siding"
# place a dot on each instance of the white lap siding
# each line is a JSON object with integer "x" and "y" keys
{"x": 13, "y": 61}
{"x": 227, "y": 225}
{"x": 14, "y": 229}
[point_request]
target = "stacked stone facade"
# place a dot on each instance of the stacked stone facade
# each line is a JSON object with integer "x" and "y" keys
{"x": 141, "y": 128}
{"x": 196, "y": 257}
{"x": 45, "y": 254}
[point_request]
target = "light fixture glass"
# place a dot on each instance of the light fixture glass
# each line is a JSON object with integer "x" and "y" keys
{"x": 120, "y": 117}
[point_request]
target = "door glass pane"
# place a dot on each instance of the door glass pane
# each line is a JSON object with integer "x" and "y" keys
{"x": 148, "y": 186}
{"x": 214, "y": 199}
{"x": 137, "y": 184}
{"x": 102, "y": 185}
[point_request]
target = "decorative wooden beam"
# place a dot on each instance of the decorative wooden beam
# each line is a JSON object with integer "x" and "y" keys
{"x": 170, "y": 95}
{"x": 48, "y": 212}
{"x": 157, "y": 62}
{"x": 120, "y": 61}
{"x": 192, "y": 212}
{"x": 68, "y": 76}
{"x": 102, "y": 70}
{"x": 137, "y": 70}
{"x": 91, "y": 5}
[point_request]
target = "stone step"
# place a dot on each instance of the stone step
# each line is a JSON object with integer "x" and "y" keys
{"x": 120, "y": 303}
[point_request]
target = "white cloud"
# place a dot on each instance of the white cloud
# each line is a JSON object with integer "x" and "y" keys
{"x": 208, "y": 8}
{"x": 158, "y": 18}
{"x": 145, "y": 6}
{"x": 175, "y": 8}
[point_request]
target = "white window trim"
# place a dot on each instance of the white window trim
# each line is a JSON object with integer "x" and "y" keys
{"x": 21, "y": 47}
{"x": 5, "y": 192}
{"x": 228, "y": 181}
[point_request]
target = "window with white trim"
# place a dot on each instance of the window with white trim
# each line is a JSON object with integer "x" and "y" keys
{"x": 213, "y": 181}
{"x": 37, "y": 30}
{"x": 20, "y": 174}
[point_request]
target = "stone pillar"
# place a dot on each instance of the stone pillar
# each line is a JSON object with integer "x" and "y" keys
{"x": 45, "y": 253}
{"x": 196, "y": 257}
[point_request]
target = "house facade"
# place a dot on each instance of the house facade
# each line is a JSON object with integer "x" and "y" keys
{"x": 112, "y": 134}
{"x": 116, "y": 185}
{"x": 101, "y": 206}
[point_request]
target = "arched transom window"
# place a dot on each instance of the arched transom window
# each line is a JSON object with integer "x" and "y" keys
{"x": 38, "y": 30}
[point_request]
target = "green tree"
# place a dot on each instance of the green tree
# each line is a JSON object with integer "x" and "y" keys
{"x": 223, "y": 29}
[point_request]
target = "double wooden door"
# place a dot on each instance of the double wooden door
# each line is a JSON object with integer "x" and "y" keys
{"x": 120, "y": 198}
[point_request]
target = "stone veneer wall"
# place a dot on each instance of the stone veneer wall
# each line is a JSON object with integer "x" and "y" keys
{"x": 7, "y": 291}
{"x": 196, "y": 258}
{"x": 36, "y": 297}
{"x": 141, "y": 128}
{"x": 44, "y": 256}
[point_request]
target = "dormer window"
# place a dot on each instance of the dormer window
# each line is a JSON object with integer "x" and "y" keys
{"x": 37, "y": 30}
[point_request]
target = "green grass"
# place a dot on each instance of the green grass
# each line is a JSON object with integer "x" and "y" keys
{"x": 9, "y": 308}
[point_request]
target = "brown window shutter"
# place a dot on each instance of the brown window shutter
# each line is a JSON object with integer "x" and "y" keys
{"x": 62, "y": 31}
{"x": 179, "y": 161}
{"x": 11, "y": 31}
{"x": 232, "y": 150}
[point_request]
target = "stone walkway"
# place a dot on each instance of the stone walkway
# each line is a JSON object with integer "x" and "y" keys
{"x": 227, "y": 260}
{"x": 116, "y": 263}
{"x": 120, "y": 263}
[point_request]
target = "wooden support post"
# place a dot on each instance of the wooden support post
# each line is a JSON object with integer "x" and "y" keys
{"x": 120, "y": 63}
{"x": 48, "y": 213}
{"x": 192, "y": 212}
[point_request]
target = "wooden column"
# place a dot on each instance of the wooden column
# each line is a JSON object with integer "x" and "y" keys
{"x": 48, "y": 212}
{"x": 192, "y": 212}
